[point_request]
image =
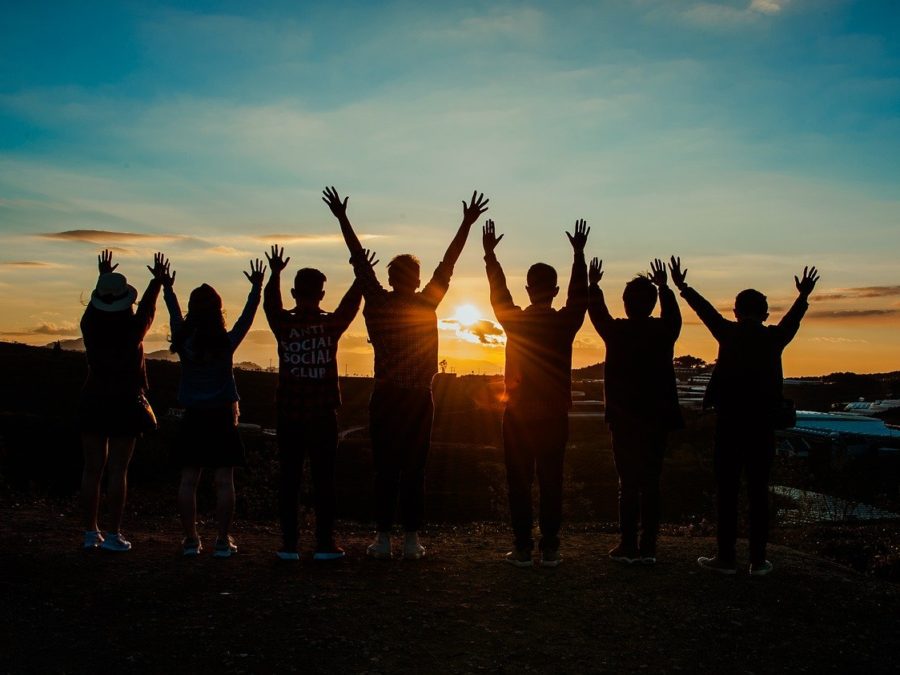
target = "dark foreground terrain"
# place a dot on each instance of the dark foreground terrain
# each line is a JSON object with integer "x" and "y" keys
{"x": 459, "y": 610}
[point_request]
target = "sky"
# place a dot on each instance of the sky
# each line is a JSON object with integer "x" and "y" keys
{"x": 750, "y": 137}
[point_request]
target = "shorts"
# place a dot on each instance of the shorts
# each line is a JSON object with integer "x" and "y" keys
{"x": 209, "y": 438}
{"x": 118, "y": 416}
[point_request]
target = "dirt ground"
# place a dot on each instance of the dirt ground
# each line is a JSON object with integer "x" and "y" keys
{"x": 458, "y": 610}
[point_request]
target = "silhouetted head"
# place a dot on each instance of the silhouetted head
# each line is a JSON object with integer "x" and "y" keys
{"x": 204, "y": 325}
{"x": 640, "y": 297}
{"x": 204, "y": 300}
{"x": 113, "y": 294}
{"x": 309, "y": 286}
{"x": 541, "y": 284}
{"x": 403, "y": 273}
{"x": 751, "y": 305}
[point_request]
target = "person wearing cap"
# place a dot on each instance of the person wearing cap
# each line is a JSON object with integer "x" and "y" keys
{"x": 113, "y": 409}
{"x": 209, "y": 435}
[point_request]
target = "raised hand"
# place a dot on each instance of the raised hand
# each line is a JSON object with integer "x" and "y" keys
{"x": 489, "y": 238}
{"x": 579, "y": 239}
{"x": 160, "y": 269}
{"x": 658, "y": 273}
{"x": 277, "y": 261}
{"x": 595, "y": 271}
{"x": 104, "y": 262}
{"x": 333, "y": 199}
{"x": 365, "y": 256}
{"x": 257, "y": 272}
{"x": 806, "y": 285}
{"x": 678, "y": 274}
{"x": 473, "y": 210}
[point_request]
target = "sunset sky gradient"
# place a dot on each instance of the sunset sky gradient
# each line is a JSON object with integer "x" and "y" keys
{"x": 748, "y": 137}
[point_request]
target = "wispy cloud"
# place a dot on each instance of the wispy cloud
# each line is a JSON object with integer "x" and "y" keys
{"x": 838, "y": 340}
{"x": 312, "y": 239}
{"x": 843, "y": 314}
{"x": 106, "y": 236}
{"x": 860, "y": 292}
{"x": 31, "y": 264}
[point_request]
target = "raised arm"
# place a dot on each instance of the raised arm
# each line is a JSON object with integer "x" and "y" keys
{"x": 242, "y": 326}
{"x": 437, "y": 287}
{"x": 339, "y": 209}
{"x": 146, "y": 309}
{"x": 790, "y": 322}
{"x": 272, "y": 304}
{"x": 471, "y": 213}
{"x": 668, "y": 305}
{"x": 349, "y": 306}
{"x": 501, "y": 298}
{"x": 715, "y": 322}
{"x": 597, "y": 309}
{"x": 577, "y": 297}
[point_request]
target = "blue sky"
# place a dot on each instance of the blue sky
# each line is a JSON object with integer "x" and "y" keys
{"x": 751, "y": 137}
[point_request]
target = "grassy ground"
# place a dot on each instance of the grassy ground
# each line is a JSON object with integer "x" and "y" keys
{"x": 458, "y": 610}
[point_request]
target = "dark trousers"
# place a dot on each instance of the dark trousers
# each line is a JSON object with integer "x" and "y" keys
{"x": 742, "y": 446}
{"x": 400, "y": 422}
{"x": 638, "y": 451}
{"x": 316, "y": 437}
{"x": 531, "y": 442}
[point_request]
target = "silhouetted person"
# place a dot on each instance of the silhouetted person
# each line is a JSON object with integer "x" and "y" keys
{"x": 641, "y": 399}
{"x": 308, "y": 397}
{"x": 402, "y": 325}
{"x": 538, "y": 378}
{"x": 745, "y": 389}
{"x": 209, "y": 436}
{"x": 113, "y": 409}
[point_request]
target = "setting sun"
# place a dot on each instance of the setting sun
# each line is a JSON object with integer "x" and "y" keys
{"x": 467, "y": 314}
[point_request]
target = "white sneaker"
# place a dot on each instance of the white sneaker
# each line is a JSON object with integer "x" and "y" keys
{"x": 761, "y": 569}
{"x": 412, "y": 549}
{"x": 92, "y": 539}
{"x": 225, "y": 548}
{"x": 114, "y": 541}
{"x": 380, "y": 549}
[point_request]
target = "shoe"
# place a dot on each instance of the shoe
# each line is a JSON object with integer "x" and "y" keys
{"x": 412, "y": 549}
{"x": 550, "y": 558}
{"x": 92, "y": 539}
{"x": 191, "y": 547}
{"x": 761, "y": 569}
{"x": 648, "y": 560}
{"x": 225, "y": 548}
{"x": 288, "y": 555}
{"x": 114, "y": 541}
{"x": 380, "y": 549}
{"x": 717, "y": 566}
{"x": 626, "y": 555}
{"x": 329, "y": 551}
{"x": 519, "y": 558}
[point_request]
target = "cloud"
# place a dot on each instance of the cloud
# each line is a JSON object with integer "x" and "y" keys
{"x": 31, "y": 264}
{"x": 226, "y": 251}
{"x": 483, "y": 331}
{"x": 312, "y": 238}
{"x": 767, "y": 6}
{"x": 853, "y": 313}
{"x": 105, "y": 236}
{"x": 65, "y": 328}
{"x": 860, "y": 292}
{"x": 838, "y": 340}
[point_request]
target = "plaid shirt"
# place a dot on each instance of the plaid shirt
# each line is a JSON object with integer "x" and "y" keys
{"x": 403, "y": 328}
{"x": 307, "y": 352}
{"x": 538, "y": 374}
